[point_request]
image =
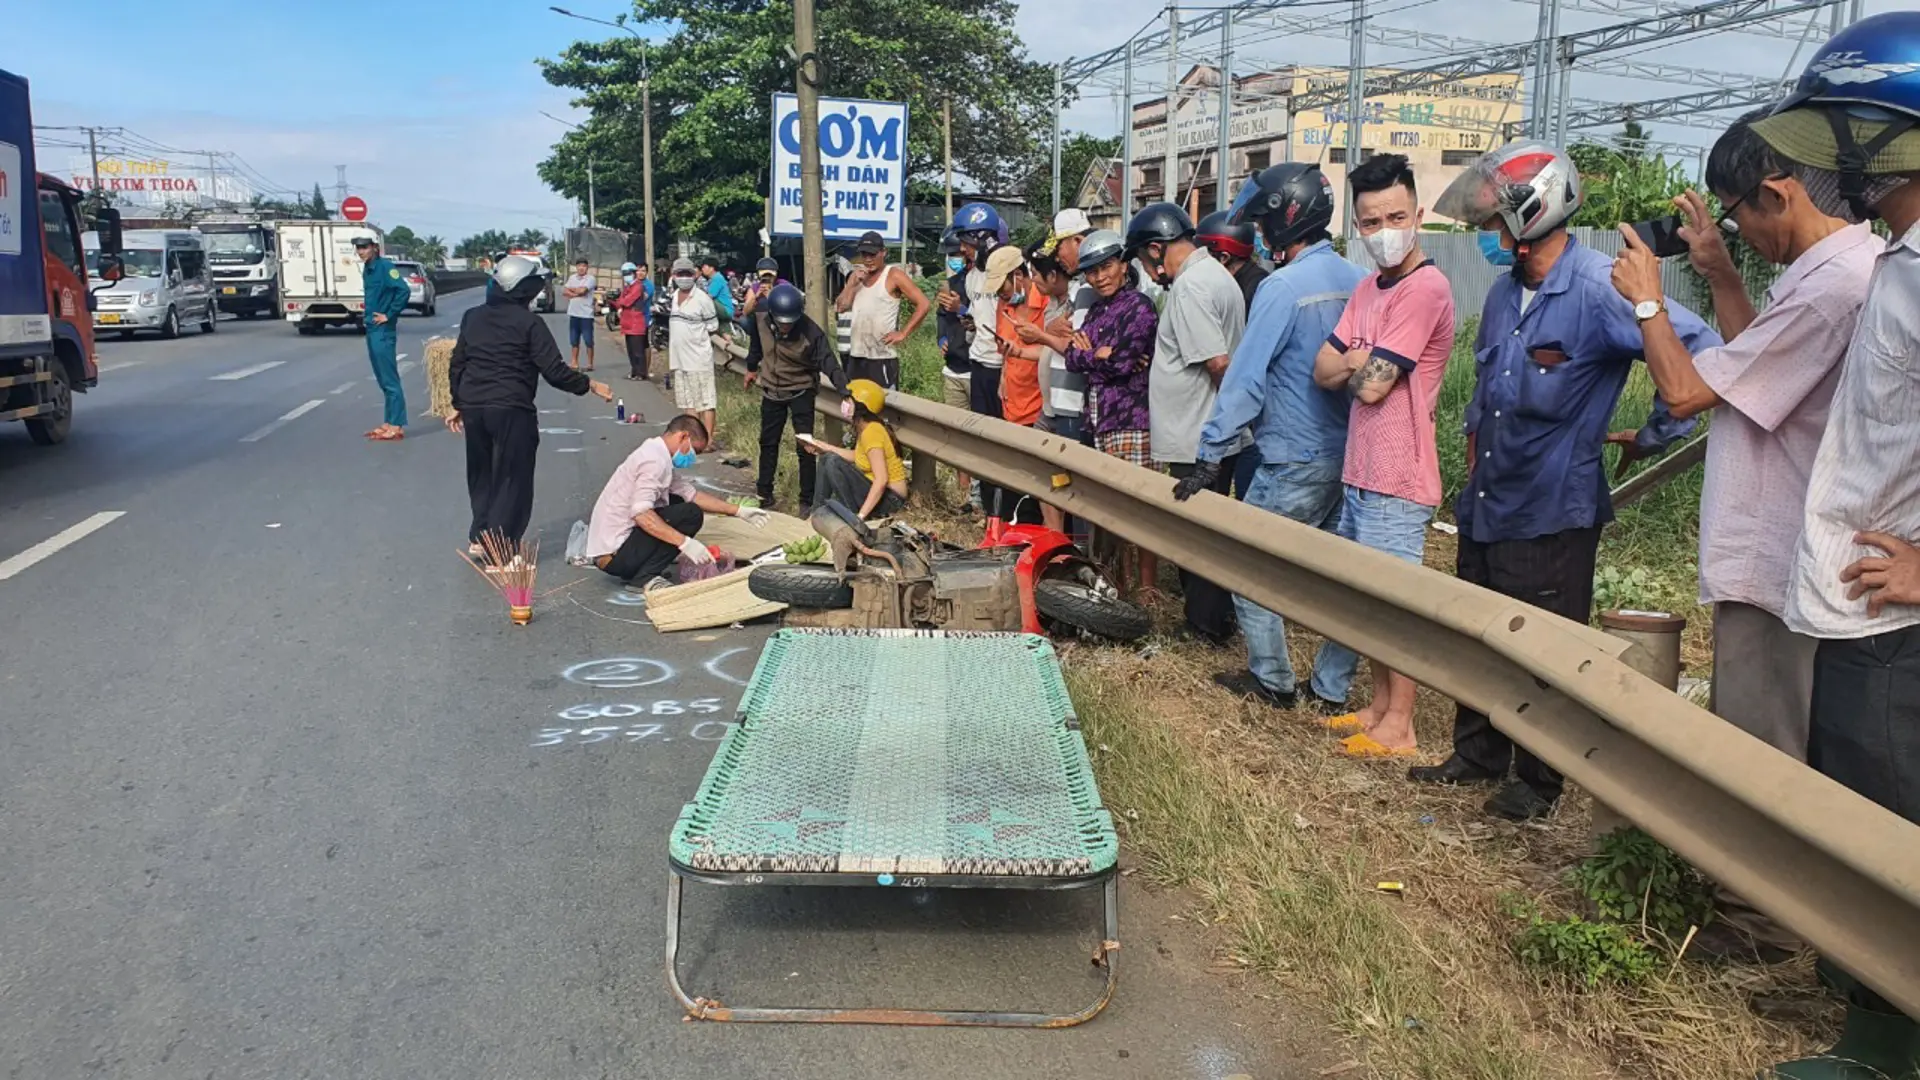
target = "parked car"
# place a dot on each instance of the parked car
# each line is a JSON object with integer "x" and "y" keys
{"x": 421, "y": 296}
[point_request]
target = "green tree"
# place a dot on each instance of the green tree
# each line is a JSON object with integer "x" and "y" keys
{"x": 401, "y": 241}
{"x": 712, "y": 87}
{"x": 431, "y": 250}
{"x": 317, "y": 207}
{"x": 483, "y": 245}
{"x": 1622, "y": 182}
{"x": 532, "y": 238}
{"x": 1077, "y": 151}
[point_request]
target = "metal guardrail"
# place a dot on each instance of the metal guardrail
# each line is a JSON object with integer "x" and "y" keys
{"x": 456, "y": 280}
{"x": 1838, "y": 869}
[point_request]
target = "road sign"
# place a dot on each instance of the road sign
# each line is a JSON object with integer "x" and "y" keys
{"x": 863, "y": 167}
{"x": 353, "y": 208}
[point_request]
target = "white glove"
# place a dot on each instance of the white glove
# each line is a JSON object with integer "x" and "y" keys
{"x": 754, "y": 516}
{"x": 696, "y": 552}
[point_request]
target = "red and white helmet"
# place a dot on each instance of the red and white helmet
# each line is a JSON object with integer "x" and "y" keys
{"x": 1533, "y": 187}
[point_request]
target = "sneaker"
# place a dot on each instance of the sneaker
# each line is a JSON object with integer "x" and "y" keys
{"x": 1326, "y": 706}
{"x": 1518, "y": 802}
{"x": 1243, "y": 684}
{"x": 1454, "y": 770}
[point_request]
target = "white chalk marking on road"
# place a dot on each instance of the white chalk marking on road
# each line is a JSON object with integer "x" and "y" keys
{"x": 290, "y": 416}
{"x": 342, "y": 388}
{"x": 567, "y": 450}
{"x": 121, "y": 366}
{"x": 61, "y": 539}
{"x": 405, "y": 367}
{"x": 241, "y": 373}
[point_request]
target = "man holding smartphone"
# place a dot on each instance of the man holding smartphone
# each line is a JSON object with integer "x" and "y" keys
{"x": 1770, "y": 387}
{"x": 1555, "y": 347}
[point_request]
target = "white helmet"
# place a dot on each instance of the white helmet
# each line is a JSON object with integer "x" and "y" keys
{"x": 514, "y": 269}
{"x": 1533, "y": 187}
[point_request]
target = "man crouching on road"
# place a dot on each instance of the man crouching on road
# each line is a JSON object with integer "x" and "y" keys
{"x": 646, "y": 515}
{"x": 502, "y": 351}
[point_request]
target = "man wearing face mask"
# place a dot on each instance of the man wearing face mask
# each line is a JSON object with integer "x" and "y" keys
{"x": 1555, "y": 347}
{"x": 1299, "y": 430}
{"x": 979, "y": 229}
{"x": 692, "y": 322}
{"x": 1851, "y": 132}
{"x": 786, "y": 355}
{"x": 647, "y": 516}
{"x": 632, "y": 306}
{"x": 1201, "y": 321}
{"x": 1769, "y": 386}
{"x": 954, "y": 336}
{"x": 1390, "y": 351}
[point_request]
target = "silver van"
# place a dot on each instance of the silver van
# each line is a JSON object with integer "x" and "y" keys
{"x": 167, "y": 283}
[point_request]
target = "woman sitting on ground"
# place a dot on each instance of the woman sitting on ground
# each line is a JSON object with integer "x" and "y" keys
{"x": 870, "y": 478}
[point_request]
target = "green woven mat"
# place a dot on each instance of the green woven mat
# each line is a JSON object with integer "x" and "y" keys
{"x": 901, "y": 752}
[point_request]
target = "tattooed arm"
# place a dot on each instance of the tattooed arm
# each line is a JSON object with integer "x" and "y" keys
{"x": 1374, "y": 379}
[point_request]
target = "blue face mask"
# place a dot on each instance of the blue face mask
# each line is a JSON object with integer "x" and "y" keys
{"x": 955, "y": 264}
{"x": 684, "y": 459}
{"x": 1018, "y": 298}
{"x": 1491, "y": 249}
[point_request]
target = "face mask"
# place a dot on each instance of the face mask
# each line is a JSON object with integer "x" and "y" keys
{"x": 1823, "y": 190}
{"x": 1260, "y": 248}
{"x": 684, "y": 459}
{"x": 1389, "y": 247}
{"x": 955, "y": 264}
{"x": 683, "y": 282}
{"x": 628, "y": 278}
{"x": 1018, "y": 298}
{"x": 1491, "y": 249}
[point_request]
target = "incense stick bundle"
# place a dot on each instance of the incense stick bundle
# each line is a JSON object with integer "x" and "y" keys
{"x": 509, "y": 567}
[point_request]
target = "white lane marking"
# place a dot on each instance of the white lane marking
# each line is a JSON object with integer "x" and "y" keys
{"x": 121, "y": 366}
{"x": 57, "y": 541}
{"x": 241, "y": 373}
{"x": 342, "y": 388}
{"x": 567, "y": 450}
{"x": 405, "y": 366}
{"x": 400, "y": 356}
{"x": 290, "y": 416}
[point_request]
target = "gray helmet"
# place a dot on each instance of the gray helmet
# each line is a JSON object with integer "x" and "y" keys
{"x": 514, "y": 269}
{"x": 1099, "y": 246}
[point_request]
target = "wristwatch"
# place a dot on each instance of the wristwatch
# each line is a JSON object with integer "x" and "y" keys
{"x": 1648, "y": 309}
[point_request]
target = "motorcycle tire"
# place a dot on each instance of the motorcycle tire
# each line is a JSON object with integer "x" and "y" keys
{"x": 800, "y": 586}
{"x": 1090, "y": 612}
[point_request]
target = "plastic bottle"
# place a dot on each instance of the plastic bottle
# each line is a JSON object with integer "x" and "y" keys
{"x": 620, "y": 410}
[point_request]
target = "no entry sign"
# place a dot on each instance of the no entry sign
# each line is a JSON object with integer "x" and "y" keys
{"x": 353, "y": 208}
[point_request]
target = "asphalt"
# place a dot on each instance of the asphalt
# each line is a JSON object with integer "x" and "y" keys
{"x": 284, "y": 795}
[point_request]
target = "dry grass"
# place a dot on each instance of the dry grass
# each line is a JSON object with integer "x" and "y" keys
{"x": 1283, "y": 843}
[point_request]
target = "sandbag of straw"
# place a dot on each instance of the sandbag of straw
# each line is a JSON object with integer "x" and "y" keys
{"x": 439, "y": 360}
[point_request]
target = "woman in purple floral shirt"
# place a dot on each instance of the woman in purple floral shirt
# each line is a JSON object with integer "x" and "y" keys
{"x": 1114, "y": 349}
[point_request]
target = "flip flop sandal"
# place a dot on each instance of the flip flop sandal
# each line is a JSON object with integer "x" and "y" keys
{"x": 1349, "y": 722}
{"x": 388, "y": 436}
{"x": 1365, "y": 746}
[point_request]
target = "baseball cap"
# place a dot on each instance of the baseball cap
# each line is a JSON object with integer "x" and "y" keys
{"x": 1004, "y": 260}
{"x": 870, "y": 243}
{"x": 1072, "y": 221}
{"x": 683, "y": 263}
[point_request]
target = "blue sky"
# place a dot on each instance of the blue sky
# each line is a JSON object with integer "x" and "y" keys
{"x": 435, "y": 107}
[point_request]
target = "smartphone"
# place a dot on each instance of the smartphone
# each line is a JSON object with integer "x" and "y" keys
{"x": 1662, "y": 235}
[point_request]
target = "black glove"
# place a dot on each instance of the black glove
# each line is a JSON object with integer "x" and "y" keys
{"x": 1200, "y": 479}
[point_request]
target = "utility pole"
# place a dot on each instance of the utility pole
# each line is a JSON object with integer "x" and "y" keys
{"x": 93, "y": 151}
{"x": 1170, "y": 164}
{"x": 213, "y": 181}
{"x": 946, "y": 134}
{"x": 813, "y": 241}
{"x": 1126, "y": 138}
{"x": 339, "y": 185}
{"x": 1356, "y": 105}
{"x": 646, "y": 149}
{"x": 1226, "y": 112}
{"x": 1059, "y": 103}
{"x": 592, "y": 222}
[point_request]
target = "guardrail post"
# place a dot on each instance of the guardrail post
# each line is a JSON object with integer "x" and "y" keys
{"x": 923, "y": 479}
{"x": 1657, "y": 636}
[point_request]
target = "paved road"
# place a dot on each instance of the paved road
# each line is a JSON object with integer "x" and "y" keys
{"x": 285, "y": 796}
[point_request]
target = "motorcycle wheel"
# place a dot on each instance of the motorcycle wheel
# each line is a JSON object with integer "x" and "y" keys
{"x": 1091, "y": 611}
{"x": 800, "y": 586}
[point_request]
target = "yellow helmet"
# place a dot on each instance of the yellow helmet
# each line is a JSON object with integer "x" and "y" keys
{"x": 868, "y": 394}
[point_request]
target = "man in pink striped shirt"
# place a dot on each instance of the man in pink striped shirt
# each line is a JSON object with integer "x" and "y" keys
{"x": 1770, "y": 386}
{"x": 1390, "y": 350}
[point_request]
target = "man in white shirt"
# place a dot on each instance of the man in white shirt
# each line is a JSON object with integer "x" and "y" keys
{"x": 647, "y": 516}
{"x": 579, "y": 293}
{"x": 692, "y": 321}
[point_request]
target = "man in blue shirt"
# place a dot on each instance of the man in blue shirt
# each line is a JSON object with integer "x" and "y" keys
{"x": 718, "y": 288}
{"x": 1556, "y": 345}
{"x": 385, "y": 294}
{"x": 1299, "y": 430}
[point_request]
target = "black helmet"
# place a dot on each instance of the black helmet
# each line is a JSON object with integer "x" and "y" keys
{"x": 1289, "y": 202}
{"x": 766, "y": 266}
{"x": 785, "y": 305}
{"x": 1222, "y": 237}
{"x": 1157, "y": 223}
{"x": 949, "y": 243}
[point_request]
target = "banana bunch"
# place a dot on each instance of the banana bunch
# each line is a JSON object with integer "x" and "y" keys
{"x": 812, "y": 549}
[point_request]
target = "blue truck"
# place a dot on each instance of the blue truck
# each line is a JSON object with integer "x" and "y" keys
{"x": 46, "y": 320}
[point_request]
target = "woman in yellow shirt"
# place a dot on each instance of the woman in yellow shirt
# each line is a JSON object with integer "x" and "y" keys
{"x": 870, "y": 478}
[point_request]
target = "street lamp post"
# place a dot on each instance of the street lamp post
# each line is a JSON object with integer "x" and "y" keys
{"x": 646, "y": 123}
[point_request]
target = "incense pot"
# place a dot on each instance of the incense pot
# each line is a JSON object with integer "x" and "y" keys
{"x": 520, "y": 614}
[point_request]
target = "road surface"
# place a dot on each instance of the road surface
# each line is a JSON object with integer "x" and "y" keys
{"x": 286, "y": 796}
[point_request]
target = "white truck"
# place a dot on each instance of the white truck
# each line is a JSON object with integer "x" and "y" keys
{"x": 246, "y": 263}
{"x": 319, "y": 272}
